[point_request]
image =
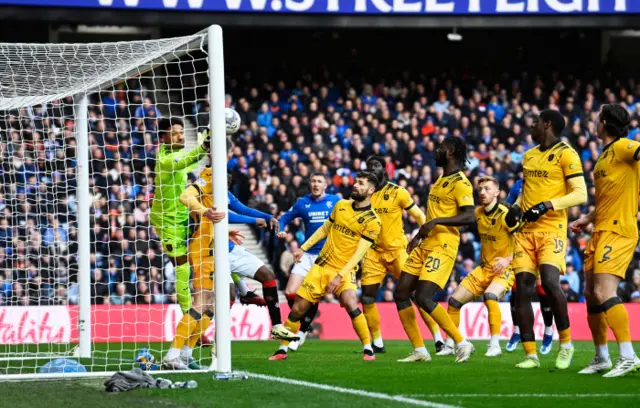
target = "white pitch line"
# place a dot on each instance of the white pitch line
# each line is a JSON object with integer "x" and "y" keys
{"x": 524, "y": 395}
{"x": 360, "y": 393}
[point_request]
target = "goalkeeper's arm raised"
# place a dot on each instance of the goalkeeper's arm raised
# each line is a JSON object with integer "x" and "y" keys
{"x": 176, "y": 161}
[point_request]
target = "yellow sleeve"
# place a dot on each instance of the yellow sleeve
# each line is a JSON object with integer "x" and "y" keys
{"x": 627, "y": 151}
{"x": 571, "y": 164}
{"x": 361, "y": 249}
{"x": 404, "y": 199}
{"x": 577, "y": 194}
{"x": 418, "y": 216}
{"x": 190, "y": 197}
{"x": 463, "y": 193}
{"x": 317, "y": 236}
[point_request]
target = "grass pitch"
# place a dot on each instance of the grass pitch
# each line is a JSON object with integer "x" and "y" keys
{"x": 346, "y": 380}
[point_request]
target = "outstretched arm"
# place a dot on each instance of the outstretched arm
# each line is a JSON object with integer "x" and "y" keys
{"x": 236, "y": 206}
{"x": 320, "y": 234}
{"x": 577, "y": 195}
{"x": 417, "y": 215}
{"x": 286, "y": 218}
{"x": 172, "y": 162}
{"x": 191, "y": 199}
{"x": 466, "y": 217}
{"x": 241, "y": 219}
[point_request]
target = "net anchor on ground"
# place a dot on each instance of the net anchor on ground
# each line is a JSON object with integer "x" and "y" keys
{"x": 237, "y": 375}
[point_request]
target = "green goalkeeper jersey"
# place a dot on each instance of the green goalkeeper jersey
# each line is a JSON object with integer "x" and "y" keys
{"x": 172, "y": 170}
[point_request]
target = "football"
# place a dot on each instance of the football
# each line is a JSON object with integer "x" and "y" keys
{"x": 232, "y": 120}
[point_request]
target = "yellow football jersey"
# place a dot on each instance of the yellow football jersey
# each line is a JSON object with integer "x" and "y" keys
{"x": 447, "y": 196}
{"x": 617, "y": 187}
{"x": 348, "y": 226}
{"x": 202, "y": 237}
{"x": 495, "y": 236}
{"x": 205, "y": 185}
{"x": 545, "y": 178}
{"x": 388, "y": 204}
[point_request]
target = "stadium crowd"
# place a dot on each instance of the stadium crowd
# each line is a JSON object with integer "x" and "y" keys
{"x": 289, "y": 131}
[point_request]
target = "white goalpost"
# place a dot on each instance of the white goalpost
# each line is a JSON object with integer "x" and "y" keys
{"x": 83, "y": 275}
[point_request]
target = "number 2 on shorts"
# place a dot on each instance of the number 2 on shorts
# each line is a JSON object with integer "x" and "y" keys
{"x": 605, "y": 256}
{"x": 432, "y": 264}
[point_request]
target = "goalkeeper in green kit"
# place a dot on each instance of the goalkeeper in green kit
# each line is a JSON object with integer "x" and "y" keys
{"x": 168, "y": 215}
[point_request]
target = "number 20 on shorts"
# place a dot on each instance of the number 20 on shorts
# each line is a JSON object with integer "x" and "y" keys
{"x": 433, "y": 264}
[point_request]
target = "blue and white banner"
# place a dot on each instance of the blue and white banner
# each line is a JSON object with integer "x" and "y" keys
{"x": 424, "y": 7}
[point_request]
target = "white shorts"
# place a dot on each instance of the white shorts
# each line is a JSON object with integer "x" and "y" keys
{"x": 243, "y": 262}
{"x": 305, "y": 265}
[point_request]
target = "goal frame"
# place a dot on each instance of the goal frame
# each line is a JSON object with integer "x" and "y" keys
{"x": 213, "y": 40}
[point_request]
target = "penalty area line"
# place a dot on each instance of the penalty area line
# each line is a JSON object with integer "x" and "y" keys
{"x": 352, "y": 391}
{"x": 524, "y": 395}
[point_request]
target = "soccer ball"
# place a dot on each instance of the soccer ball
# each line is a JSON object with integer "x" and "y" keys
{"x": 232, "y": 121}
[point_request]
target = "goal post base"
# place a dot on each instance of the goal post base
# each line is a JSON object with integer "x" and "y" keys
{"x": 237, "y": 375}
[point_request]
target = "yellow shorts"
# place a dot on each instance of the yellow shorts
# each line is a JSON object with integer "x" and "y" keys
{"x": 609, "y": 252}
{"x": 376, "y": 265}
{"x": 480, "y": 278}
{"x": 533, "y": 249}
{"x": 432, "y": 264}
{"x": 202, "y": 273}
{"x": 201, "y": 257}
{"x": 314, "y": 284}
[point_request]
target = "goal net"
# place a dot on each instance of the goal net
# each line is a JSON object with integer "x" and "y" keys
{"x": 83, "y": 275}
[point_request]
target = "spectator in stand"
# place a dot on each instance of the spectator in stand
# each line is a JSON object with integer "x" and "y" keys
{"x": 289, "y": 130}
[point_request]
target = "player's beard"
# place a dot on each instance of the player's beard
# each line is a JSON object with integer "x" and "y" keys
{"x": 357, "y": 197}
{"x": 441, "y": 160}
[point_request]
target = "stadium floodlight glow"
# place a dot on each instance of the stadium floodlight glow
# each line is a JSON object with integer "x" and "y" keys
{"x": 77, "y": 108}
{"x": 454, "y": 36}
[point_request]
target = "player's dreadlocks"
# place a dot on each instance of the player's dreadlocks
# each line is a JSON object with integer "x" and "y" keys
{"x": 459, "y": 150}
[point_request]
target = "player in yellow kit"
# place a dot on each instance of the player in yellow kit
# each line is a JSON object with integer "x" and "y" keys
{"x": 614, "y": 239}
{"x": 389, "y": 254}
{"x": 429, "y": 266}
{"x": 553, "y": 182}
{"x": 352, "y": 229}
{"x": 493, "y": 277}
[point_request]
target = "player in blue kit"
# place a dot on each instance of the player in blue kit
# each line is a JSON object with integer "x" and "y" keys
{"x": 314, "y": 209}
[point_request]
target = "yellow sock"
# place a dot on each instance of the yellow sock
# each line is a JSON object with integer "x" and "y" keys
{"x": 529, "y": 348}
{"x": 565, "y": 336}
{"x": 199, "y": 330}
{"x": 373, "y": 319}
{"x": 185, "y": 327}
{"x": 408, "y": 319}
{"x": 618, "y": 320}
{"x": 444, "y": 321}
{"x": 428, "y": 320}
{"x": 598, "y": 325}
{"x": 454, "y": 315}
{"x": 294, "y": 327}
{"x": 495, "y": 317}
{"x": 360, "y": 326}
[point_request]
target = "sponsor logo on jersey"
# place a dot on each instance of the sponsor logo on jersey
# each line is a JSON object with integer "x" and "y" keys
{"x": 536, "y": 173}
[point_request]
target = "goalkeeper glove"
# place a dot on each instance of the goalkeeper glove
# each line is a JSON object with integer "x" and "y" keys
{"x": 204, "y": 139}
{"x": 513, "y": 216}
{"x": 534, "y": 213}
